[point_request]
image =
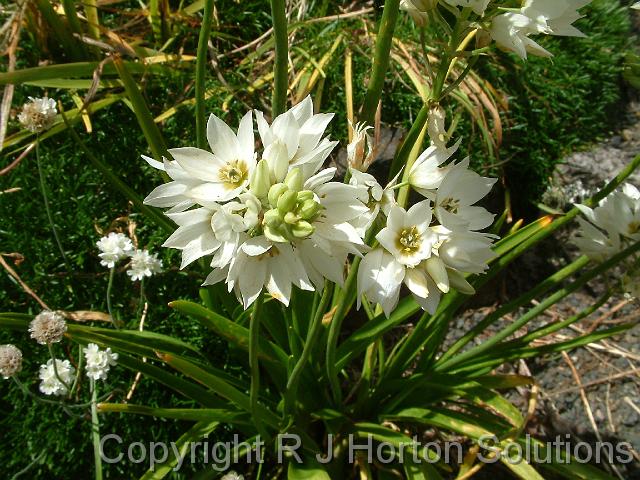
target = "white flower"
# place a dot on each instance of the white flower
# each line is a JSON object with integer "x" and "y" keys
{"x": 407, "y": 235}
{"x": 614, "y": 221}
{"x": 10, "y": 360}
{"x": 459, "y": 190}
{"x": 144, "y": 264}
{"x": 371, "y": 194}
{"x": 418, "y": 9}
{"x": 50, "y": 385}
{"x": 299, "y": 132}
{"x": 426, "y": 175}
{"x": 48, "y": 327}
{"x": 464, "y": 251}
{"x": 511, "y": 31}
{"x": 98, "y": 361}
{"x": 38, "y": 114}
{"x": 113, "y": 248}
{"x": 478, "y": 6}
{"x": 360, "y": 152}
{"x": 554, "y": 17}
{"x": 381, "y": 276}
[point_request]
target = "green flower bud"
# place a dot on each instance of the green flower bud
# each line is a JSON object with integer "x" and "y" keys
{"x": 294, "y": 180}
{"x": 309, "y": 209}
{"x": 291, "y": 218}
{"x": 287, "y": 201}
{"x": 260, "y": 180}
{"x": 272, "y": 218}
{"x": 305, "y": 195}
{"x": 274, "y": 234}
{"x": 302, "y": 229}
{"x": 275, "y": 191}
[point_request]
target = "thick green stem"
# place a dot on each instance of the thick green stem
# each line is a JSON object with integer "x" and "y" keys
{"x": 314, "y": 330}
{"x": 403, "y": 153}
{"x": 95, "y": 430}
{"x": 334, "y": 330}
{"x": 254, "y": 339}
{"x": 280, "y": 67}
{"x": 380, "y": 60}
{"x": 47, "y": 208}
{"x": 201, "y": 63}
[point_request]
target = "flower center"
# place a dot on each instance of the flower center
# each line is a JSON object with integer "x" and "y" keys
{"x": 409, "y": 240}
{"x": 233, "y": 174}
{"x": 633, "y": 228}
{"x": 450, "y": 205}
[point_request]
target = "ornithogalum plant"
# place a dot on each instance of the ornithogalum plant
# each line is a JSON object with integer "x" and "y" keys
{"x": 325, "y": 269}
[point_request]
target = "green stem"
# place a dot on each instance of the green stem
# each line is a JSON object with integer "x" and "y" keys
{"x": 201, "y": 63}
{"x": 55, "y": 368}
{"x": 78, "y": 371}
{"x": 95, "y": 430}
{"x": 334, "y": 330}
{"x": 314, "y": 330}
{"x": 403, "y": 153}
{"x": 45, "y": 198}
{"x": 112, "y": 271}
{"x": 254, "y": 339}
{"x": 280, "y": 67}
{"x": 380, "y": 60}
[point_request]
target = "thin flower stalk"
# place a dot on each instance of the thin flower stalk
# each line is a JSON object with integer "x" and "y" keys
{"x": 95, "y": 430}
{"x": 280, "y": 67}
{"x": 201, "y": 63}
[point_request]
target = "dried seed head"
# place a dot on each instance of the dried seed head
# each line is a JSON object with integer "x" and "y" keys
{"x": 10, "y": 360}
{"x": 38, "y": 114}
{"x": 48, "y": 327}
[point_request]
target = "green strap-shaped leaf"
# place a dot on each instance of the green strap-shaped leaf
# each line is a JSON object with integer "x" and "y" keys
{"x": 196, "y": 414}
{"x": 309, "y": 469}
{"x": 273, "y": 357}
{"x": 219, "y": 386}
{"x": 183, "y": 444}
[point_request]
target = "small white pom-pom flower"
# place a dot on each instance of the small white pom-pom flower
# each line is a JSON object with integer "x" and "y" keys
{"x": 10, "y": 360}
{"x": 48, "y": 327}
{"x": 98, "y": 361}
{"x": 38, "y": 114}
{"x": 113, "y": 248}
{"x": 144, "y": 264}
{"x": 50, "y": 384}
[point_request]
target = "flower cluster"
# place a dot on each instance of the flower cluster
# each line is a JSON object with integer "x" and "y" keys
{"x": 10, "y": 360}
{"x": 117, "y": 246}
{"x": 56, "y": 380}
{"x": 280, "y": 221}
{"x": 270, "y": 222}
{"x": 99, "y": 361}
{"x": 610, "y": 226}
{"x": 430, "y": 246}
{"x": 511, "y": 29}
{"x": 38, "y": 114}
{"x": 48, "y": 327}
